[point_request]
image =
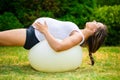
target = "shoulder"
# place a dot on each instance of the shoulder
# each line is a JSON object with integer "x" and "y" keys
{"x": 78, "y": 36}
{"x": 72, "y": 26}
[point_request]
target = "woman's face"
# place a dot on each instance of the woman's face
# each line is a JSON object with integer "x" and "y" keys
{"x": 93, "y": 25}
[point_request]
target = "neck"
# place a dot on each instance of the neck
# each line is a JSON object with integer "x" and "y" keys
{"x": 87, "y": 33}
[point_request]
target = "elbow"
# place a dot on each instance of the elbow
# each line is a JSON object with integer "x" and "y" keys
{"x": 58, "y": 48}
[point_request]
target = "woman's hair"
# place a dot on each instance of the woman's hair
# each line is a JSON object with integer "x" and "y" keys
{"x": 95, "y": 41}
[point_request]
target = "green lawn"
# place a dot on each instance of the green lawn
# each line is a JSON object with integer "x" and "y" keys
{"x": 14, "y": 65}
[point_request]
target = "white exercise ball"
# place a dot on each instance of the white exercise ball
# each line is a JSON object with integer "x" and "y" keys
{"x": 43, "y": 58}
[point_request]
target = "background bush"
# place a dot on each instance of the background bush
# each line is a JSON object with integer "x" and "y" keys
{"x": 9, "y": 21}
{"x": 78, "y": 11}
{"x": 110, "y": 15}
{"x": 108, "y": 2}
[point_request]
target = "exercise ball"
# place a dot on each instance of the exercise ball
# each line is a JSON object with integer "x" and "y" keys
{"x": 43, "y": 58}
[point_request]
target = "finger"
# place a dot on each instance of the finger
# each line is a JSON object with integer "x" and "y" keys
{"x": 45, "y": 23}
{"x": 36, "y": 26}
{"x": 39, "y": 23}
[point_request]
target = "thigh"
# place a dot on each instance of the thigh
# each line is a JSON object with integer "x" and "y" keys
{"x": 15, "y": 37}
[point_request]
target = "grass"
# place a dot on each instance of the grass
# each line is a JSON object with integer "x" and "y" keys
{"x": 14, "y": 65}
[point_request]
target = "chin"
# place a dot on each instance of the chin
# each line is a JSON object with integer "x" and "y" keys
{"x": 87, "y": 24}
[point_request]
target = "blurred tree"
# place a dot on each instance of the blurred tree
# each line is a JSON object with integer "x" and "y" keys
{"x": 78, "y": 11}
{"x": 108, "y": 2}
{"x": 9, "y": 21}
{"x": 110, "y": 15}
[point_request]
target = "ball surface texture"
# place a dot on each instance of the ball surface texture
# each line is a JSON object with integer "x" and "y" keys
{"x": 43, "y": 58}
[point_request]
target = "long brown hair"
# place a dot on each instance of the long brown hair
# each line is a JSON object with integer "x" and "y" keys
{"x": 95, "y": 41}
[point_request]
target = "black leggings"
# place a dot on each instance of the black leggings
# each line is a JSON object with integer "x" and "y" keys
{"x": 31, "y": 39}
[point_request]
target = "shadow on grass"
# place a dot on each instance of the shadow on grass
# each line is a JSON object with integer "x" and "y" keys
{"x": 28, "y": 70}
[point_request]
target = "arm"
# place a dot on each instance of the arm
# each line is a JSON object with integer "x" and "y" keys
{"x": 65, "y": 44}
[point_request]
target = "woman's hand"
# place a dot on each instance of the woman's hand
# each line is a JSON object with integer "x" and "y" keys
{"x": 41, "y": 27}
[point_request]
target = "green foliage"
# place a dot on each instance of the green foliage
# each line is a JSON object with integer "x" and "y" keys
{"x": 108, "y": 2}
{"x": 27, "y": 11}
{"x": 9, "y": 21}
{"x": 110, "y": 15}
{"x": 78, "y": 11}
